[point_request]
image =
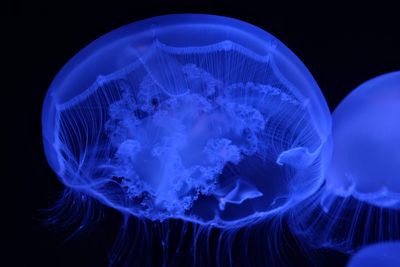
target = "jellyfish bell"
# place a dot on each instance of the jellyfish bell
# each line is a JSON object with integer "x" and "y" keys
{"x": 198, "y": 117}
{"x": 359, "y": 202}
{"x": 381, "y": 254}
{"x": 366, "y": 137}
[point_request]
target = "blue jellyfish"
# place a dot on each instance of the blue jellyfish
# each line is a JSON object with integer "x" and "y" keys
{"x": 360, "y": 200}
{"x": 195, "y": 117}
{"x": 382, "y": 254}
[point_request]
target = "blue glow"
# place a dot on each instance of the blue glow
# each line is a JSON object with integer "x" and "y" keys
{"x": 366, "y": 136}
{"x": 360, "y": 201}
{"x": 198, "y": 117}
{"x": 382, "y": 254}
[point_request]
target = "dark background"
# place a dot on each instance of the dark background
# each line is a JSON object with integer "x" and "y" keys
{"x": 342, "y": 46}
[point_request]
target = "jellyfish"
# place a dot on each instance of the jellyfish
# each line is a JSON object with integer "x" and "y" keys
{"x": 380, "y": 254}
{"x": 359, "y": 203}
{"x": 200, "y": 118}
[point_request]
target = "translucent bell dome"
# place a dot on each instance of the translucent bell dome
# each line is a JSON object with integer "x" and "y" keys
{"x": 204, "y": 118}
